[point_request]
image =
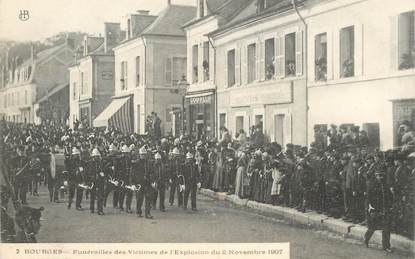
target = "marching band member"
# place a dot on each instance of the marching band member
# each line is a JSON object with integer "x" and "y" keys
{"x": 142, "y": 175}
{"x": 111, "y": 166}
{"x": 176, "y": 171}
{"x": 75, "y": 177}
{"x": 125, "y": 166}
{"x": 97, "y": 181}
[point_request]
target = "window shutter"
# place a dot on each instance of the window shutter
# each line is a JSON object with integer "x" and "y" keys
{"x": 211, "y": 63}
{"x": 299, "y": 53}
{"x": 358, "y": 51}
{"x": 257, "y": 60}
{"x": 394, "y": 42}
{"x": 262, "y": 61}
{"x": 168, "y": 71}
{"x": 279, "y": 57}
{"x": 244, "y": 64}
{"x": 288, "y": 128}
{"x": 226, "y": 69}
{"x": 237, "y": 66}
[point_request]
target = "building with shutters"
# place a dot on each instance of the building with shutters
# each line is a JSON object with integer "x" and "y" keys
{"x": 149, "y": 63}
{"x": 92, "y": 77}
{"x": 200, "y": 99}
{"x": 361, "y": 67}
{"x": 36, "y": 89}
{"x": 260, "y": 72}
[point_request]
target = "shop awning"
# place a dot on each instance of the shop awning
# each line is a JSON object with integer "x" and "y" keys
{"x": 200, "y": 98}
{"x": 116, "y": 115}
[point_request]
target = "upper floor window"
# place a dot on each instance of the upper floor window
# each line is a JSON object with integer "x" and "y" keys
{"x": 205, "y": 61}
{"x": 251, "y": 62}
{"x": 231, "y": 67}
{"x": 124, "y": 75}
{"x": 269, "y": 59}
{"x": 290, "y": 54}
{"x": 175, "y": 70}
{"x": 195, "y": 68}
{"x": 137, "y": 71}
{"x": 320, "y": 57}
{"x": 347, "y": 52}
{"x": 178, "y": 69}
{"x": 406, "y": 42}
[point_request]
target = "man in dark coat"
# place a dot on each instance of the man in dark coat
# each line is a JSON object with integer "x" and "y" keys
{"x": 97, "y": 181}
{"x": 379, "y": 199}
{"x": 192, "y": 181}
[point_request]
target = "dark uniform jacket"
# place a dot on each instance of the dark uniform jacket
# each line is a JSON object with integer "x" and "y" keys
{"x": 191, "y": 173}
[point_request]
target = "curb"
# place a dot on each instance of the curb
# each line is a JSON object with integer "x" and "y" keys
{"x": 315, "y": 220}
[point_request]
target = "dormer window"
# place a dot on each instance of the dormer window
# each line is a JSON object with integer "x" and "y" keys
{"x": 201, "y": 8}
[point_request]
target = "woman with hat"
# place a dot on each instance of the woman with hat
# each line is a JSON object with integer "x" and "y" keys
{"x": 242, "y": 166}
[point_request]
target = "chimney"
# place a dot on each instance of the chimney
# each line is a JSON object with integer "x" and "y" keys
{"x": 70, "y": 42}
{"x": 143, "y": 12}
{"x": 85, "y": 45}
{"x": 112, "y": 35}
{"x": 32, "y": 52}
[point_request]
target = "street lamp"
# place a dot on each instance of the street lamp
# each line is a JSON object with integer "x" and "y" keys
{"x": 182, "y": 88}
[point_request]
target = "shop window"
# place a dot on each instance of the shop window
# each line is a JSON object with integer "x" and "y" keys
{"x": 251, "y": 62}
{"x": 406, "y": 41}
{"x": 321, "y": 57}
{"x": 206, "y": 61}
{"x": 290, "y": 54}
{"x": 347, "y": 52}
{"x": 195, "y": 68}
{"x": 239, "y": 123}
{"x": 269, "y": 59}
{"x": 372, "y": 130}
{"x": 137, "y": 71}
{"x": 231, "y": 67}
{"x": 124, "y": 75}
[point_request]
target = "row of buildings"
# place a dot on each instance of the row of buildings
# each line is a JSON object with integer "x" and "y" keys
{"x": 290, "y": 66}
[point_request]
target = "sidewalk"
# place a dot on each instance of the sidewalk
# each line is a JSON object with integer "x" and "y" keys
{"x": 315, "y": 220}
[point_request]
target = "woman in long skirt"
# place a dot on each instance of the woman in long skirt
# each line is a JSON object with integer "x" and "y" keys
{"x": 240, "y": 174}
{"x": 217, "y": 178}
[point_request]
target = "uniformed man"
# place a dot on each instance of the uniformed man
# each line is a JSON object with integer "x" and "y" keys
{"x": 97, "y": 181}
{"x": 124, "y": 172}
{"x": 192, "y": 181}
{"x": 161, "y": 176}
{"x": 20, "y": 165}
{"x": 143, "y": 176}
{"x": 111, "y": 171}
{"x": 176, "y": 176}
{"x": 76, "y": 176}
{"x": 379, "y": 209}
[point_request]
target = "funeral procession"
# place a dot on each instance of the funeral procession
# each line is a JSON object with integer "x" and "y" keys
{"x": 210, "y": 121}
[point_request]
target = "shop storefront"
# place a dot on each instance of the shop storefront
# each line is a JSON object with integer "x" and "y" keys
{"x": 200, "y": 114}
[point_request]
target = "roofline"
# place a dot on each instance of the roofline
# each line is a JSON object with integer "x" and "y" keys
{"x": 250, "y": 20}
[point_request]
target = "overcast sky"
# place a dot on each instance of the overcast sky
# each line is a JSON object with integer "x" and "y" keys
{"x": 48, "y": 17}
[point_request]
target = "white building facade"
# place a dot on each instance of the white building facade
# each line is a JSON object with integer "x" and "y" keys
{"x": 361, "y": 66}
